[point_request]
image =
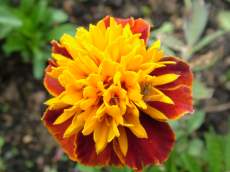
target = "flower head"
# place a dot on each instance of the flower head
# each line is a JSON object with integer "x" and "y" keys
{"x": 112, "y": 95}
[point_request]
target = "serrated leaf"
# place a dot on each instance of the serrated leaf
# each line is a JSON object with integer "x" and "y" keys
{"x": 195, "y": 22}
{"x": 200, "y": 91}
{"x": 223, "y": 20}
{"x": 214, "y": 153}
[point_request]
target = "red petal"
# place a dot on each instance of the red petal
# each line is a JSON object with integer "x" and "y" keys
{"x": 137, "y": 26}
{"x": 180, "y": 91}
{"x": 153, "y": 150}
{"x": 87, "y": 155}
{"x": 57, "y": 131}
{"x": 181, "y": 68}
{"x": 141, "y": 26}
{"x": 52, "y": 84}
{"x": 58, "y": 49}
{"x": 182, "y": 99}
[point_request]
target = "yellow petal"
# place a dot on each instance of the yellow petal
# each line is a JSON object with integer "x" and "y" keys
{"x": 89, "y": 126}
{"x": 71, "y": 95}
{"x": 100, "y": 137}
{"x": 55, "y": 103}
{"x": 153, "y": 94}
{"x": 123, "y": 141}
{"x": 107, "y": 68}
{"x": 136, "y": 127}
{"x": 68, "y": 113}
{"x": 113, "y": 131}
{"x": 87, "y": 103}
{"x": 100, "y": 111}
{"x": 155, "y": 114}
{"x": 76, "y": 125}
{"x": 89, "y": 92}
{"x": 115, "y": 112}
{"x": 164, "y": 79}
{"x": 117, "y": 79}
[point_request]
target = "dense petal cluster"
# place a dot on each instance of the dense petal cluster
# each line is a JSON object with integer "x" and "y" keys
{"x": 112, "y": 95}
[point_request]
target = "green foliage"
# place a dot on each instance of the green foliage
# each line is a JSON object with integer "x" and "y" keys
{"x": 223, "y": 19}
{"x": 125, "y": 169}
{"x": 195, "y": 21}
{"x": 192, "y": 155}
{"x": 83, "y": 168}
{"x": 227, "y": 152}
{"x": 200, "y": 90}
{"x": 214, "y": 153}
{"x": 27, "y": 29}
{"x": 2, "y": 164}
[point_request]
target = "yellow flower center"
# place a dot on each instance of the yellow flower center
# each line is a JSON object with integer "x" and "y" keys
{"x": 107, "y": 81}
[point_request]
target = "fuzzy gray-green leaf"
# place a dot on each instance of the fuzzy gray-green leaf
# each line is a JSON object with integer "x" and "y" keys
{"x": 195, "y": 22}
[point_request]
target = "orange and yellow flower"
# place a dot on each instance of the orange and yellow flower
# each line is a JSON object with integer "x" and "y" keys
{"x": 112, "y": 95}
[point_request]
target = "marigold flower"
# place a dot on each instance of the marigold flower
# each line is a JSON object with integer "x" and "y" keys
{"x": 112, "y": 95}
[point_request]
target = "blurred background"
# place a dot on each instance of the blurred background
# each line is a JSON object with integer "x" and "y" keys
{"x": 196, "y": 30}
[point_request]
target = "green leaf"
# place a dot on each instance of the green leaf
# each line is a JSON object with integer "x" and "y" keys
{"x": 214, "y": 153}
{"x": 58, "y": 16}
{"x": 83, "y": 168}
{"x": 5, "y": 30}
{"x": 168, "y": 51}
{"x": 2, "y": 142}
{"x": 153, "y": 169}
{"x": 190, "y": 163}
{"x": 206, "y": 41}
{"x": 223, "y": 20}
{"x": 227, "y": 152}
{"x": 167, "y": 27}
{"x": 171, "y": 164}
{"x": 40, "y": 13}
{"x": 195, "y": 148}
{"x": 7, "y": 18}
{"x": 195, "y": 121}
{"x": 200, "y": 91}
{"x": 177, "y": 127}
{"x": 26, "y": 6}
{"x": 171, "y": 42}
{"x": 124, "y": 169}
{"x": 39, "y": 60}
{"x": 58, "y": 31}
{"x": 14, "y": 43}
{"x": 195, "y": 22}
